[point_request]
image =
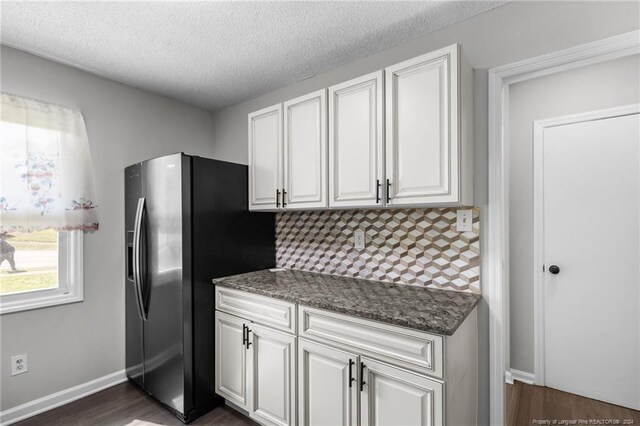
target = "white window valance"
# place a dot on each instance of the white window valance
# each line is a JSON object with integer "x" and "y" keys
{"x": 46, "y": 174}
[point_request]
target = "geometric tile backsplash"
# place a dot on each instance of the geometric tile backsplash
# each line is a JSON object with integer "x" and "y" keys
{"x": 409, "y": 246}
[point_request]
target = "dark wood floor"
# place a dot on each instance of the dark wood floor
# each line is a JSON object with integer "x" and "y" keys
{"x": 524, "y": 403}
{"x": 125, "y": 404}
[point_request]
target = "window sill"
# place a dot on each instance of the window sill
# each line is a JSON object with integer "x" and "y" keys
{"x": 39, "y": 302}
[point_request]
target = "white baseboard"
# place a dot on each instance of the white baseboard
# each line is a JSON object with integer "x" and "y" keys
{"x": 521, "y": 376}
{"x": 508, "y": 377}
{"x": 46, "y": 403}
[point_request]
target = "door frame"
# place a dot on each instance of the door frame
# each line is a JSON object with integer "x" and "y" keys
{"x": 495, "y": 262}
{"x": 538, "y": 218}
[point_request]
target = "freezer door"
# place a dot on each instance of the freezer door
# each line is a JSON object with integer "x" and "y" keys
{"x": 167, "y": 281}
{"x": 134, "y": 352}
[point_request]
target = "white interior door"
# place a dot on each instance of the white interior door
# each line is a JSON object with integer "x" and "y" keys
{"x": 265, "y": 158}
{"x": 272, "y": 368}
{"x": 590, "y": 167}
{"x": 327, "y": 385}
{"x": 305, "y": 151}
{"x": 355, "y": 142}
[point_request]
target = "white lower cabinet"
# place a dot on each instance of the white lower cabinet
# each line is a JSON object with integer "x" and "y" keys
{"x": 231, "y": 359}
{"x": 394, "y": 396}
{"x": 327, "y": 385}
{"x": 335, "y": 387}
{"x": 255, "y": 369}
{"x": 333, "y": 369}
{"x": 272, "y": 374}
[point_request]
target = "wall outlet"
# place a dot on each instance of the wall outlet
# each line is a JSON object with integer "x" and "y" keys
{"x": 359, "y": 242}
{"x": 465, "y": 221}
{"x": 19, "y": 364}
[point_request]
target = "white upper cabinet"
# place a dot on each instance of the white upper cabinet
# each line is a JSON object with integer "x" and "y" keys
{"x": 305, "y": 151}
{"x": 356, "y": 152}
{"x": 426, "y": 150}
{"x": 401, "y": 138}
{"x": 265, "y": 158}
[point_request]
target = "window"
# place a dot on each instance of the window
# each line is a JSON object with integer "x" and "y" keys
{"x": 39, "y": 269}
{"x": 47, "y": 201}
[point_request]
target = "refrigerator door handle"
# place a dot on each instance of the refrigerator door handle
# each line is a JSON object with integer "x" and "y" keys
{"x": 137, "y": 263}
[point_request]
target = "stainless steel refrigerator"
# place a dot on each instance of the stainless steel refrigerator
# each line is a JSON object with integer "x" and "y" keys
{"x": 187, "y": 221}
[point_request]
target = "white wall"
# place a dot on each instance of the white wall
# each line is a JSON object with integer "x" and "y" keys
{"x": 72, "y": 344}
{"x": 510, "y": 33}
{"x": 606, "y": 85}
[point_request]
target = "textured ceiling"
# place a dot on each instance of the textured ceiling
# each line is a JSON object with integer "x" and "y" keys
{"x": 216, "y": 54}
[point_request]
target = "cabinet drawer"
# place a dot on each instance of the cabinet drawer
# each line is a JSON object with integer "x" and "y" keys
{"x": 412, "y": 349}
{"x": 275, "y": 313}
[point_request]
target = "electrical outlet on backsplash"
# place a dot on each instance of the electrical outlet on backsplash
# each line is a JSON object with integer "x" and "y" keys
{"x": 410, "y": 246}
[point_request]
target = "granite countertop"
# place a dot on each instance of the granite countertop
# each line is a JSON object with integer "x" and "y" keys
{"x": 426, "y": 309}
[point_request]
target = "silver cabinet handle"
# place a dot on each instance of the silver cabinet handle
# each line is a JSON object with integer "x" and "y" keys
{"x": 137, "y": 263}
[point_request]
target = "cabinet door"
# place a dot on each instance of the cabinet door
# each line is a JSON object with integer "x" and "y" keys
{"x": 230, "y": 359}
{"x": 272, "y": 372}
{"x": 355, "y": 142}
{"x": 327, "y": 385}
{"x": 265, "y": 158}
{"x": 394, "y": 396}
{"x": 422, "y": 141}
{"x": 305, "y": 151}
